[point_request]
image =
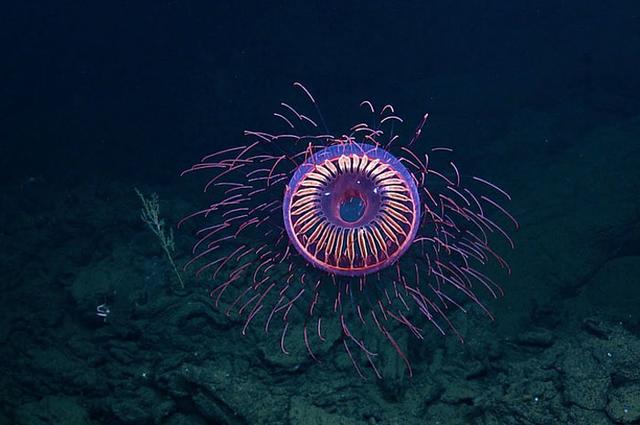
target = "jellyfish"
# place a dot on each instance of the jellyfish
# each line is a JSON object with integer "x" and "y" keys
{"x": 364, "y": 230}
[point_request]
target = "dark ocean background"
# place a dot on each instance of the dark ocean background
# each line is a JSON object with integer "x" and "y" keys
{"x": 100, "y": 98}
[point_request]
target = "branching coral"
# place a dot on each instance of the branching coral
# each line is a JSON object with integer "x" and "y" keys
{"x": 150, "y": 214}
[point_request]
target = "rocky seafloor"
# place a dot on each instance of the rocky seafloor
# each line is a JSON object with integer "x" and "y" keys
{"x": 564, "y": 348}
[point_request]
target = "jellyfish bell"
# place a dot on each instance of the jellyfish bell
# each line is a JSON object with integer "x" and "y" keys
{"x": 351, "y": 209}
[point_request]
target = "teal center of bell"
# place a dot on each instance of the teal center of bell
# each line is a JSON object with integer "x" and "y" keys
{"x": 352, "y": 208}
